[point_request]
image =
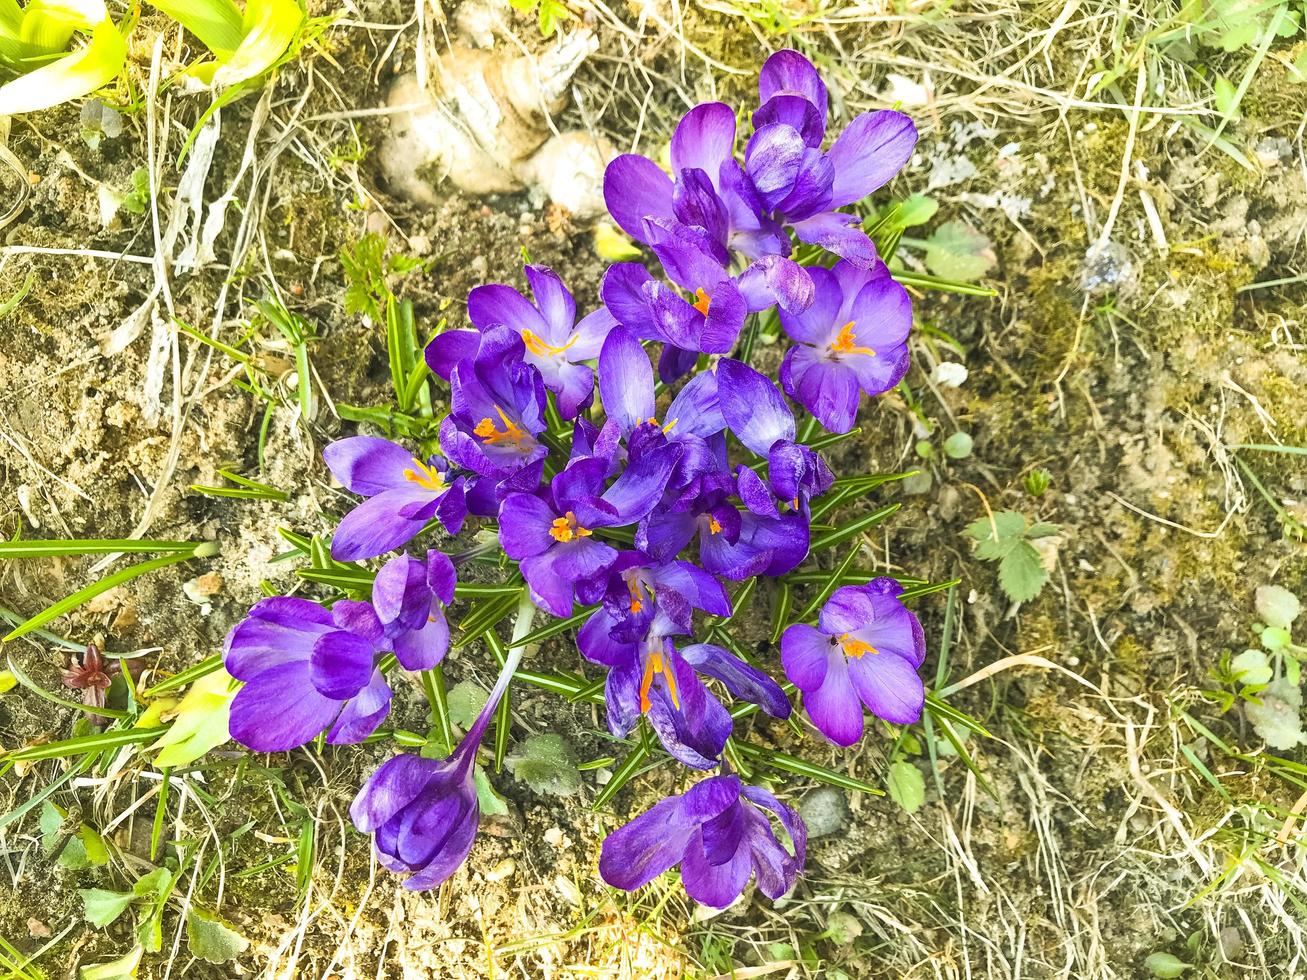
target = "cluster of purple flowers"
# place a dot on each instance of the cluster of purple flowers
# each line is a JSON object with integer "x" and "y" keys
{"x": 637, "y": 511}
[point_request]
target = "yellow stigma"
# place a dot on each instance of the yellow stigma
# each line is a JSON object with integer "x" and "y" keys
{"x": 847, "y": 342}
{"x": 854, "y": 647}
{"x": 488, "y": 431}
{"x": 566, "y": 529}
{"x": 425, "y": 476}
{"x": 538, "y": 347}
{"x": 637, "y": 590}
{"x": 714, "y": 526}
{"x": 656, "y": 665}
{"x": 701, "y": 301}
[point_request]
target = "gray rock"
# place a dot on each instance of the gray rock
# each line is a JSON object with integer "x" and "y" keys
{"x": 825, "y": 810}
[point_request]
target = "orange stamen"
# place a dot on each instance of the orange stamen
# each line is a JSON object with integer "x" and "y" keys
{"x": 847, "y": 342}
{"x": 538, "y": 347}
{"x": 702, "y": 301}
{"x": 854, "y": 647}
{"x": 656, "y": 665}
{"x": 488, "y": 431}
{"x": 565, "y": 529}
{"x": 714, "y": 526}
{"x": 425, "y": 476}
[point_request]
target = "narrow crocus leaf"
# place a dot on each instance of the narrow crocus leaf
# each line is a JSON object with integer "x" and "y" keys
{"x": 857, "y": 526}
{"x": 270, "y": 26}
{"x": 76, "y": 74}
{"x": 625, "y": 772}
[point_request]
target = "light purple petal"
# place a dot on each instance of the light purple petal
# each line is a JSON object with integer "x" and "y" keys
{"x": 554, "y": 301}
{"x": 377, "y": 526}
{"x": 277, "y": 631}
{"x": 827, "y": 388}
{"x": 341, "y": 664}
{"x": 839, "y": 233}
{"x": 774, "y": 280}
{"x": 741, "y": 679}
{"x": 704, "y": 138}
{"x": 449, "y": 349}
{"x": 495, "y": 303}
{"x": 368, "y": 465}
{"x": 818, "y": 324}
{"x": 752, "y": 407}
{"x": 835, "y": 707}
{"x": 773, "y": 160}
{"x": 588, "y": 338}
{"x": 787, "y": 72}
{"x": 279, "y": 709}
{"x": 716, "y": 885}
{"x": 870, "y": 151}
{"x": 362, "y": 713}
{"x": 889, "y": 686}
{"x": 635, "y": 189}
{"x": 424, "y": 647}
{"x": 626, "y": 383}
{"x": 400, "y": 594}
{"x": 805, "y": 655}
{"x": 634, "y": 855}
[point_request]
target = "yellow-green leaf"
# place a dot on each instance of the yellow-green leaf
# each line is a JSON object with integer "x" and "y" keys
{"x": 71, "y": 77}
{"x": 200, "y": 723}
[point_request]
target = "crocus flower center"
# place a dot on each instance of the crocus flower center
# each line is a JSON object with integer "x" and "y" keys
{"x": 493, "y": 435}
{"x": 655, "y": 664}
{"x": 714, "y": 525}
{"x": 853, "y": 647}
{"x": 846, "y": 342}
{"x": 425, "y": 476}
{"x": 566, "y": 529}
{"x": 702, "y": 301}
{"x": 538, "y": 347}
{"x": 638, "y": 588}
{"x": 666, "y": 428}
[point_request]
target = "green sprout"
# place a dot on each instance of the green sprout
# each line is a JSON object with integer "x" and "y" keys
{"x": 244, "y": 44}
{"x": 35, "y": 52}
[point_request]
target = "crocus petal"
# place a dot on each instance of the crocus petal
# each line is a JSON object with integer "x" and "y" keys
{"x": 496, "y": 304}
{"x": 639, "y": 489}
{"x": 622, "y": 699}
{"x": 870, "y": 151}
{"x": 741, "y": 679}
{"x": 368, "y": 465}
{"x": 277, "y": 631}
{"x": 755, "y": 494}
{"x": 424, "y": 647}
{"x": 773, "y": 159}
{"x": 704, "y": 138}
{"x": 590, "y": 333}
{"x": 442, "y": 579}
{"x": 624, "y": 296}
{"x": 377, "y": 526}
{"x": 752, "y": 407}
{"x": 703, "y": 590}
{"x": 449, "y": 349}
{"x": 675, "y": 362}
{"x": 795, "y": 112}
{"x": 805, "y": 653}
{"x": 689, "y": 257}
{"x": 827, "y": 388}
{"x": 392, "y": 787}
{"x": 454, "y": 849}
{"x": 889, "y": 686}
{"x": 635, "y": 189}
{"x": 626, "y": 383}
{"x": 400, "y": 594}
{"x": 575, "y": 389}
{"x": 634, "y": 855}
{"x": 835, "y": 707}
{"x": 554, "y": 302}
{"x": 788, "y": 73}
{"x": 524, "y": 522}
{"x": 362, "y": 713}
{"x": 775, "y": 280}
{"x": 697, "y": 204}
{"x": 341, "y": 664}
{"x": 715, "y": 885}
{"x": 279, "y": 709}
{"x": 775, "y": 867}
{"x": 840, "y": 233}
{"x": 695, "y": 411}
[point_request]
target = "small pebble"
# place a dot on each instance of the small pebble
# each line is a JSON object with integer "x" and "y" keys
{"x": 502, "y": 870}
{"x": 825, "y": 810}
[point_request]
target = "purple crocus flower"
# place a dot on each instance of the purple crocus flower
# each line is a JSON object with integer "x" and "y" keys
{"x": 692, "y": 420}
{"x": 635, "y": 587}
{"x": 865, "y": 650}
{"x": 800, "y": 186}
{"x": 403, "y": 493}
{"x": 410, "y": 596}
{"x": 551, "y": 536}
{"x": 853, "y": 340}
{"x": 497, "y": 411}
{"x": 648, "y": 675}
{"x": 307, "y": 668}
{"x": 424, "y": 813}
{"x": 556, "y": 344}
{"x": 720, "y": 836}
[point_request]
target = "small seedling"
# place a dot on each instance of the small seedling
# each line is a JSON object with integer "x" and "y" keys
{"x": 1006, "y": 538}
{"x": 1037, "y": 482}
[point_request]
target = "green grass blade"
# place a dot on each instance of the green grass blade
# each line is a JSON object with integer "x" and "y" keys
{"x": 187, "y": 676}
{"x": 96, "y": 546}
{"x": 922, "y": 281}
{"x": 623, "y": 775}
{"x": 768, "y": 758}
{"x": 84, "y": 744}
{"x": 854, "y": 527}
{"x": 71, "y": 602}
